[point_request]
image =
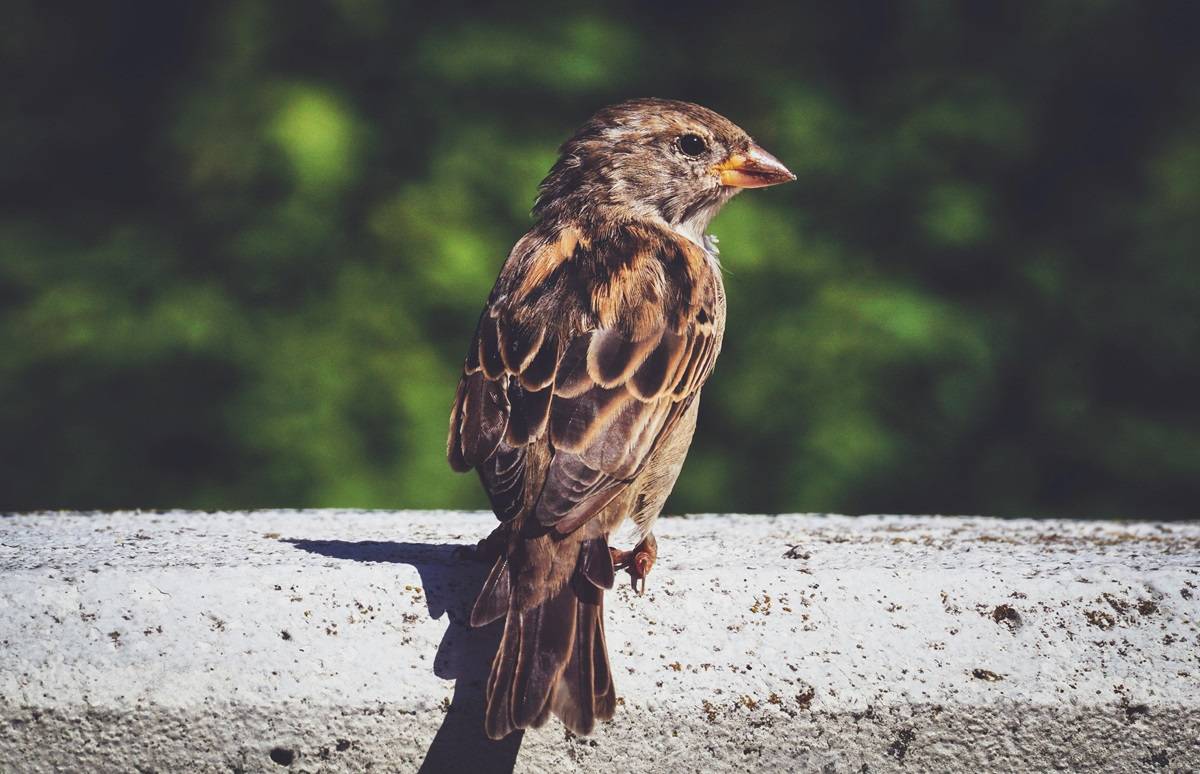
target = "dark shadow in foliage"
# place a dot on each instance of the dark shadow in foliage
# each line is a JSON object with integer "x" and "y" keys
{"x": 450, "y": 581}
{"x": 91, "y": 433}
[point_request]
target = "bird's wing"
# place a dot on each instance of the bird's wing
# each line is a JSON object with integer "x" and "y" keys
{"x": 597, "y": 346}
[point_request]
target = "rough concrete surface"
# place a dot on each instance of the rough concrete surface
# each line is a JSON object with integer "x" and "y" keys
{"x": 334, "y": 641}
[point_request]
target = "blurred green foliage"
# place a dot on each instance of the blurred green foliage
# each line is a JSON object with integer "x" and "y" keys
{"x": 243, "y": 246}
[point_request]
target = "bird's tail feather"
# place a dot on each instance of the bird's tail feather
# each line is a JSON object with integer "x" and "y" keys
{"x": 553, "y": 658}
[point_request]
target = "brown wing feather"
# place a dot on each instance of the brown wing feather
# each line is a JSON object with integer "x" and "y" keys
{"x": 507, "y": 387}
{"x": 598, "y": 359}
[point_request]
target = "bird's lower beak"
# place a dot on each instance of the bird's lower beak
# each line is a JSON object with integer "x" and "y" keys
{"x": 753, "y": 168}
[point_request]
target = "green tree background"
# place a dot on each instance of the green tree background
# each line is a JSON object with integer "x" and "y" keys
{"x": 243, "y": 246}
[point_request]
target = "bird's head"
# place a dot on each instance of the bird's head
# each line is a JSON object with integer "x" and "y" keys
{"x": 659, "y": 160}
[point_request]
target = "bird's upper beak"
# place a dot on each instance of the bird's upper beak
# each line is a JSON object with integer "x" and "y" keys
{"x": 752, "y": 168}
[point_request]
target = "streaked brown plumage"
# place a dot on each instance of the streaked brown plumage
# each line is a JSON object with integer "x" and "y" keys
{"x": 579, "y": 392}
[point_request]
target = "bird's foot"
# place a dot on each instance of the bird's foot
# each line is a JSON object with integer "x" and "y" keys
{"x": 488, "y": 549}
{"x": 637, "y": 562}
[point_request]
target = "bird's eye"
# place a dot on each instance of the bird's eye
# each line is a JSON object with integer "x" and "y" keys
{"x": 692, "y": 144}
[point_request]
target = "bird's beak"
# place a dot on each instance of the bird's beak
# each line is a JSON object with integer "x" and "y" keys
{"x": 752, "y": 168}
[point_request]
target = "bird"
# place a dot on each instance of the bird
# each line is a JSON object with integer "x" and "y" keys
{"x": 579, "y": 391}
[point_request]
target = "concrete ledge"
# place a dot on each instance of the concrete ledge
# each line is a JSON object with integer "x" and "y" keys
{"x": 334, "y": 641}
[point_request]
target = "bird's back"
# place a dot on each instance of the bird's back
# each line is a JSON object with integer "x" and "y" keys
{"x": 593, "y": 347}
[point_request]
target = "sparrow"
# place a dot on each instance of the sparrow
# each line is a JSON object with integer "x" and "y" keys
{"x": 579, "y": 391}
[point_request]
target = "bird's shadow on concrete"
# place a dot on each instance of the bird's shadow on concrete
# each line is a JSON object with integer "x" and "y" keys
{"x": 450, "y": 580}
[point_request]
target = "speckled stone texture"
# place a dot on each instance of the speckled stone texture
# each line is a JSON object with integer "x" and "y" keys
{"x": 335, "y": 641}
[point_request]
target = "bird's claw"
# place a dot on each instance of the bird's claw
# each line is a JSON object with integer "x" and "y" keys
{"x": 477, "y": 552}
{"x": 488, "y": 549}
{"x": 637, "y": 562}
